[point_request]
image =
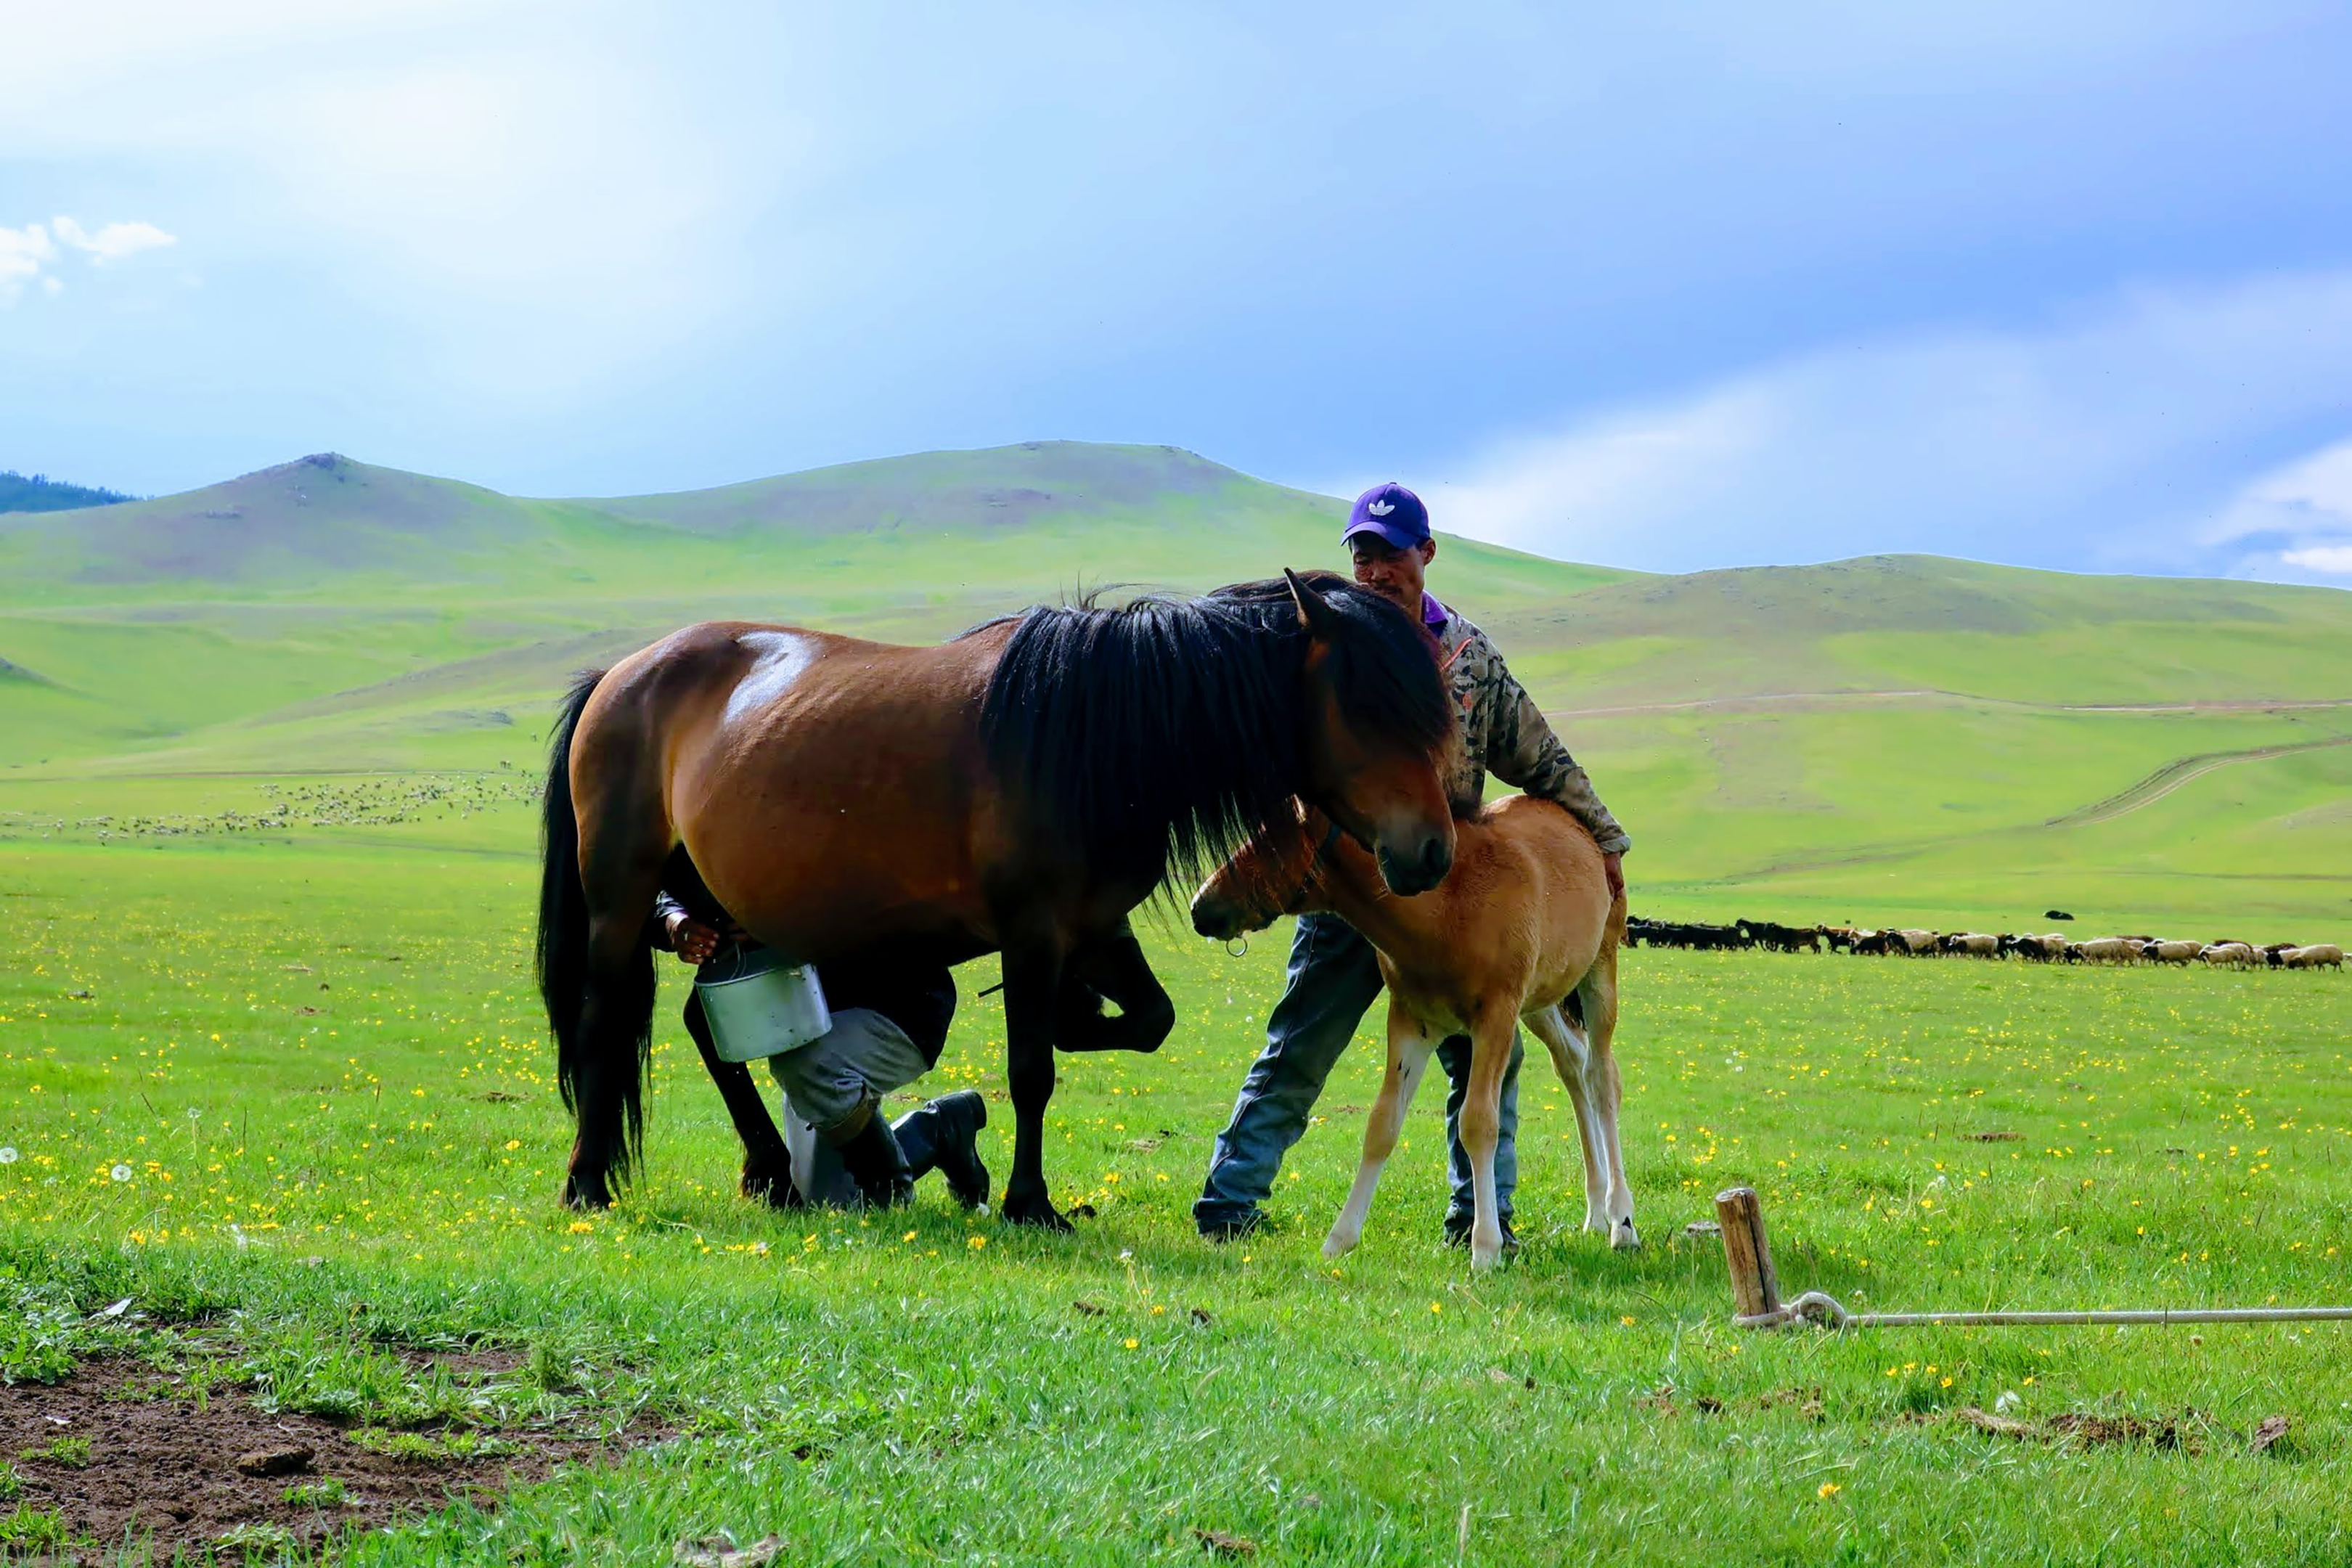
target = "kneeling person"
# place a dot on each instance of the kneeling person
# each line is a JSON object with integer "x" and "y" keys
{"x": 889, "y": 1023}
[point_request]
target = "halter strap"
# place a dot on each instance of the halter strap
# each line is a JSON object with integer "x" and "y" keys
{"x": 1322, "y": 850}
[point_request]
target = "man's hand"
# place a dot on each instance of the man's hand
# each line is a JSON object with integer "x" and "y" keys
{"x": 1613, "y": 867}
{"x": 691, "y": 939}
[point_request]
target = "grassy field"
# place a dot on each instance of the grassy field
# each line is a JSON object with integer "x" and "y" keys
{"x": 271, "y": 1071}
{"x": 303, "y": 1118}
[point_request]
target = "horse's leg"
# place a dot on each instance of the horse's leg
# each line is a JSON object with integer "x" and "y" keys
{"x": 767, "y": 1167}
{"x": 1597, "y": 992}
{"x": 615, "y": 1035}
{"x": 623, "y": 843}
{"x": 1032, "y": 979}
{"x": 1481, "y": 1124}
{"x": 1115, "y": 969}
{"x": 1570, "y": 1058}
{"x": 1408, "y": 1056}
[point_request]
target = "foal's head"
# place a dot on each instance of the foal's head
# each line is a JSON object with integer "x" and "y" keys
{"x": 1277, "y": 873}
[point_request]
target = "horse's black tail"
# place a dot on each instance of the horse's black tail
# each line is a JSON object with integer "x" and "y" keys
{"x": 601, "y": 1015}
{"x": 562, "y": 965}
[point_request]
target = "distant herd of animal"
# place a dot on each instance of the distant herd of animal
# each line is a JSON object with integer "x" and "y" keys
{"x": 1913, "y": 943}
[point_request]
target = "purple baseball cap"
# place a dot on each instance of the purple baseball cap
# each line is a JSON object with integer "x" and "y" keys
{"x": 1390, "y": 510}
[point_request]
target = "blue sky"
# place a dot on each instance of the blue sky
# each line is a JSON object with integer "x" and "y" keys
{"x": 1714, "y": 285}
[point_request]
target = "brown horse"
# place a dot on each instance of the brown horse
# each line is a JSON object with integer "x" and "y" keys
{"x": 1524, "y": 930}
{"x": 1019, "y": 789}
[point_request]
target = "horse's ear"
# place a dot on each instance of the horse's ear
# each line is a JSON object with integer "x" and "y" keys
{"x": 1313, "y": 613}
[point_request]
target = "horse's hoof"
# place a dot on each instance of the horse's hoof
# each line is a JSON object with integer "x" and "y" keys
{"x": 1483, "y": 1259}
{"x": 1335, "y": 1248}
{"x": 579, "y": 1194}
{"x": 1039, "y": 1213}
{"x": 772, "y": 1188}
{"x": 1625, "y": 1238}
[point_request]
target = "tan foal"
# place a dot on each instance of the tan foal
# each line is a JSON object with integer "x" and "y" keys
{"x": 1522, "y": 929}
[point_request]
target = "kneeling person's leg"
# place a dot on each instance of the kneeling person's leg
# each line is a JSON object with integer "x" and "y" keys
{"x": 836, "y": 1083}
{"x": 943, "y": 1135}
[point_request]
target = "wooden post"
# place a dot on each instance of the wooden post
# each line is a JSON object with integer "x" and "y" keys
{"x": 1755, "y": 1287}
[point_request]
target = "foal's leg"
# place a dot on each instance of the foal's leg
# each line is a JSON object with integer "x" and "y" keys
{"x": 1408, "y": 1056}
{"x": 1481, "y": 1117}
{"x": 1597, "y": 993}
{"x": 1570, "y": 1058}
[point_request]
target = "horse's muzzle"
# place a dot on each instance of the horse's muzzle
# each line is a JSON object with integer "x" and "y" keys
{"x": 1218, "y": 918}
{"x": 1408, "y": 874}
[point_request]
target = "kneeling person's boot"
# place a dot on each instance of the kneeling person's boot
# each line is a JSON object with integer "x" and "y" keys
{"x": 944, "y": 1136}
{"x": 872, "y": 1157}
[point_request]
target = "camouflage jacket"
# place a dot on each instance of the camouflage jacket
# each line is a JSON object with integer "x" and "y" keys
{"x": 1505, "y": 733}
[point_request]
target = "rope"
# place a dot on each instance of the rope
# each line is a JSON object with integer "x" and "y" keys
{"x": 1817, "y": 1308}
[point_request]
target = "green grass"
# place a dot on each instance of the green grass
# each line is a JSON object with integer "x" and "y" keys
{"x": 31, "y": 1529}
{"x": 316, "y": 1064}
{"x": 70, "y": 1453}
{"x": 325, "y": 1493}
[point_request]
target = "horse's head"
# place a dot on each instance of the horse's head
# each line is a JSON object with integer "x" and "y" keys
{"x": 1379, "y": 723}
{"x": 1274, "y": 874}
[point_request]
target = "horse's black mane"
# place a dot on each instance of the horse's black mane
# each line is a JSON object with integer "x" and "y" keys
{"x": 1157, "y": 736}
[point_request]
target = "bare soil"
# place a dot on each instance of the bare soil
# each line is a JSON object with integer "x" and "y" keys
{"x": 162, "y": 1475}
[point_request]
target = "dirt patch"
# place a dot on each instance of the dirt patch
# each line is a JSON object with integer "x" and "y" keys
{"x": 2190, "y": 1432}
{"x": 158, "y": 1472}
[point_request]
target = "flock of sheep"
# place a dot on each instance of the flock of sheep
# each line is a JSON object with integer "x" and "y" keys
{"x": 1912, "y": 942}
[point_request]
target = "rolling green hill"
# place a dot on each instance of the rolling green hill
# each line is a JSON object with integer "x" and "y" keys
{"x": 1891, "y": 736}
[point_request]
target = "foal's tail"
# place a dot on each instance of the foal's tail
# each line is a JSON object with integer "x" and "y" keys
{"x": 561, "y": 965}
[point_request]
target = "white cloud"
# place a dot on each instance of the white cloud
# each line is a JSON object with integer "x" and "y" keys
{"x": 22, "y": 253}
{"x": 2110, "y": 441}
{"x": 2336, "y": 559}
{"x": 113, "y": 241}
{"x": 28, "y": 253}
{"x": 2300, "y": 515}
{"x": 2314, "y": 493}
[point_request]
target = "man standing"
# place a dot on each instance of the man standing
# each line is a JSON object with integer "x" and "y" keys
{"x": 1334, "y": 974}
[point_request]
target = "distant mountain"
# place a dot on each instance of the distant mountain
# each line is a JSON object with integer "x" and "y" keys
{"x": 1855, "y": 737}
{"x": 995, "y": 486}
{"x": 318, "y": 518}
{"x": 299, "y": 522}
{"x": 1067, "y": 514}
{"x": 39, "y": 492}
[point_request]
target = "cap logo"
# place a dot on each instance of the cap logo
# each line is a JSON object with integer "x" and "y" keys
{"x": 1380, "y": 508}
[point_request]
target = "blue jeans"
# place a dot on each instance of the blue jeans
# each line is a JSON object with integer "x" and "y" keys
{"x": 1333, "y": 981}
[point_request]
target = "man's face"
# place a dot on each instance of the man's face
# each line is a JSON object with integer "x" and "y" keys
{"x": 1395, "y": 574}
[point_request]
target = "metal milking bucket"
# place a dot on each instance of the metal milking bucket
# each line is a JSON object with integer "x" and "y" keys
{"x": 758, "y": 1005}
